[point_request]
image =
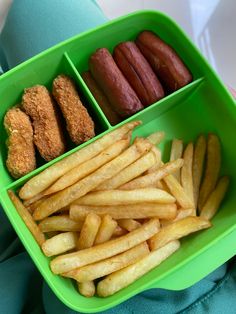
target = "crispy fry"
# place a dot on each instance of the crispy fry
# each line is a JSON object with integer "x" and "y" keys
{"x": 177, "y": 190}
{"x": 44, "y": 179}
{"x": 60, "y": 243}
{"x": 132, "y": 171}
{"x": 129, "y": 224}
{"x": 121, "y": 197}
{"x": 213, "y": 163}
{"x": 215, "y": 198}
{"x": 118, "y": 232}
{"x": 106, "y": 230}
{"x": 27, "y": 218}
{"x": 82, "y": 187}
{"x": 156, "y": 137}
{"x": 176, "y": 153}
{"x": 153, "y": 178}
{"x": 87, "y": 288}
{"x": 124, "y": 277}
{"x": 67, "y": 262}
{"x": 60, "y": 223}
{"x": 33, "y": 200}
{"x": 136, "y": 211}
{"x": 156, "y": 166}
{"x": 84, "y": 169}
{"x": 109, "y": 265}
{"x": 177, "y": 230}
{"x": 187, "y": 173}
{"x": 198, "y": 164}
{"x": 89, "y": 231}
{"x": 181, "y": 213}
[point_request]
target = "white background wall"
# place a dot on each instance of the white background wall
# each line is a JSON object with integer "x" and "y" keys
{"x": 210, "y": 23}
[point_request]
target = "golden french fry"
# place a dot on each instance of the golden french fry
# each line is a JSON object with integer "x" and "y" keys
{"x": 153, "y": 179}
{"x": 88, "y": 166}
{"x": 124, "y": 197}
{"x": 136, "y": 211}
{"x": 118, "y": 232}
{"x": 176, "y": 153}
{"x": 67, "y": 262}
{"x": 129, "y": 224}
{"x": 86, "y": 288}
{"x": 34, "y": 205}
{"x": 27, "y": 218}
{"x": 109, "y": 265}
{"x": 106, "y": 230}
{"x": 60, "y": 223}
{"x": 213, "y": 163}
{"x": 177, "y": 190}
{"x": 89, "y": 231}
{"x": 187, "y": 173}
{"x": 198, "y": 164}
{"x": 129, "y": 173}
{"x": 33, "y": 200}
{"x": 85, "y": 185}
{"x": 181, "y": 213}
{"x": 156, "y": 166}
{"x": 215, "y": 198}
{"x": 60, "y": 243}
{"x": 156, "y": 137}
{"x": 45, "y": 178}
{"x": 124, "y": 277}
{"x": 177, "y": 230}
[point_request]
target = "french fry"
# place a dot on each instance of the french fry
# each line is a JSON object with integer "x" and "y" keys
{"x": 187, "y": 173}
{"x": 215, "y": 198}
{"x": 109, "y": 265}
{"x": 27, "y": 218}
{"x": 60, "y": 223}
{"x": 33, "y": 200}
{"x": 88, "y": 166}
{"x": 176, "y": 153}
{"x": 181, "y": 213}
{"x": 156, "y": 137}
{"x": 85, "y": 185}
{"x": 45, "y": 178}
{"x": 106, "y": 230}
{"x": 34, "y": 205}
{"x": 136, "y": 211}
{"x": 89, "y": 231}
{"x": 156, "y": 166}
{"x": 213, "y": 163}
{"x": 86, "y": 288}
{"x": 124, "y": 277}
{"x": 177, "y": 230}
{"x": 198, "y": 164}
{"x": 129, "y": 224}
{"x": 60, "y": 243}
{"x": 118, "y": 232}
{"x": 67, "y": 262}
{"x": 129, "y": 173}
{"x": 124, "y": 197}
{"x": 152, "y": 179}
{"x": 178, "y": 192}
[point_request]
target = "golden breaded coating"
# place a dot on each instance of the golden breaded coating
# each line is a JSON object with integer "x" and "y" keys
{"x": 21, "y": 153}
{"x": 79, "y": 124}
{"x": 48, "y": 137}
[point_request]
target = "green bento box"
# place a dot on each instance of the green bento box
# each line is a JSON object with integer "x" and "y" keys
{"x": 202, "y": 106}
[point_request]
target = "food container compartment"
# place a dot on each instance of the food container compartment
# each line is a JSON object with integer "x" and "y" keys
{"x": 203, "y": 106}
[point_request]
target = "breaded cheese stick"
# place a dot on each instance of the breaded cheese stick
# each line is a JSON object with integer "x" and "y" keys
{"x": 78, "y": 122}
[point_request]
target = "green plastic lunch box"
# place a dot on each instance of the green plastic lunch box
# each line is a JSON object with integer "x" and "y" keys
{"x": 203, "y": 106}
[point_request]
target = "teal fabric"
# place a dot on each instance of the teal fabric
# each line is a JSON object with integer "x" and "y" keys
{"x": 31, "y": 27}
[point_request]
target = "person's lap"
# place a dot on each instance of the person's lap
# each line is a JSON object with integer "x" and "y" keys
{"x": 31, "y": 27}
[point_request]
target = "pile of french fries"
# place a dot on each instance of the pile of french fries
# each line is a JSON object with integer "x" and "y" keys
{"x": 114, "y": 210}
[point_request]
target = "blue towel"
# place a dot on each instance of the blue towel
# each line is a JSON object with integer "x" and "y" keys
{"x": 31, "y": 27}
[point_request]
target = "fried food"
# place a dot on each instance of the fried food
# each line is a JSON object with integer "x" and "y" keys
{"x": 48, "y": 137}
{"x": 60, "y": 243}
{"x": 21, "y": 154}
{"x": 80, "y": 125}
